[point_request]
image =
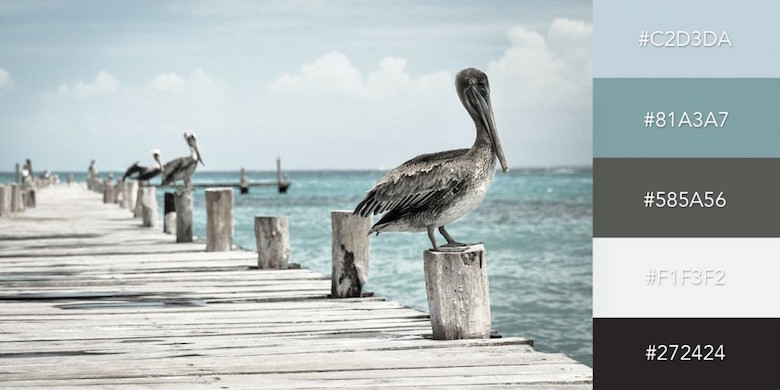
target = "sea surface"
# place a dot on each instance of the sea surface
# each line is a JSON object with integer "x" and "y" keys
{"x": 536, "y": 225}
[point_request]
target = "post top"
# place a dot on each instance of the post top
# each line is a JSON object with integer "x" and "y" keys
{"x": 216, "y": 189}
{"x": 478, "y": 247}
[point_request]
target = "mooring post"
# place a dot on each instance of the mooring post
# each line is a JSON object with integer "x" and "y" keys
{"x": 169, "y": 213}
{"x": 18, "y": 178}
{"x": 456, "y": 283}
{"x": 219, "y": 219}
{"x": 149, "y": 206}
{"x": 119, "y": 193}
{"x": 138, "y": 211}
{"x": 183, "y": 202}
{"x": 29, "y": 200}
{"x": 272, "y": 236}
{"x": 5, "y": 200}
{"x": 16, "y": 198}
{"x": 350, "y": 251}
{"x": 108, "y": 191}
{"x": 131, "y": 193}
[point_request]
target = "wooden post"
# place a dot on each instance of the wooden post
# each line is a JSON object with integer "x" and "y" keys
{"x": 350, "y": 251}
{"x": 5, "y": 200}
{"x": 18, "y": 179}
{"x": 119, "y": 193}
{"x": 169, "y": 214}
{"x": 183, "y": 202}
{"x": 244, "y": 182}
{"x": 272, "y": 235}
{"x": 458, "y": 298}
{"x": 131, "y": 192}
{"x": 30, "y": 201}
{"x": 149, "y": 206}
{"x": 219, "y": 219}
{"x": 108, "y": 191}
{"x": 138, "y": 211}
{"x": 16, "y": 198}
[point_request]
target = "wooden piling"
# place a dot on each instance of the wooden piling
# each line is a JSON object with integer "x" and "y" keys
{"x": 169, "y": 213}
{"x": 29, "y": 200}
{"x": 350, "y": 252}
{"x": 131, "y": 193}
{"x": 138, "y": 211}
{"x": 16, "y": 198}
{"x": 18, "y": 177}
{"x": 272, "y": 236}
{"x": 149, "y": 206}
{"x": 5, "y": 200}
{"x": 219, "y": 219}
{"x": 183, "y": 202}
{"x": 458, "y": 298}
{"x": 108, "y": 191}
{"x": 119, "y": 193}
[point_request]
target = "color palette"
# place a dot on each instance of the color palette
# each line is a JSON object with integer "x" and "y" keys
{"x": 686, "y": 236}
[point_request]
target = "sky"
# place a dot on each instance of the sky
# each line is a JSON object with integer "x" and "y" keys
{"x": 319, "y": 84}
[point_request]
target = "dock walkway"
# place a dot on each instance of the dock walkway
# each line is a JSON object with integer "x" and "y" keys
{"x": 90, "y": 299}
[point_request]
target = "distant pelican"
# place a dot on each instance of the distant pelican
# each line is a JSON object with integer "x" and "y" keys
{"x": 145, "y": 173}
{"x": 432, "y": 190}
{"x": 182, "y": 168}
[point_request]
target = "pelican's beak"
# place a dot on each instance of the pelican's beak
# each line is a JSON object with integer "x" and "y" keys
{"x": 160, "y": 163}
{"x": 198, "y": 152}
{"x": 486, "y": 113}
{"x": 194, "y": 145}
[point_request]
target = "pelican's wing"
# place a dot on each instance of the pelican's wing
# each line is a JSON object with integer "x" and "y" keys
{"x": 412, "y": 185}
{"x": 171, "y": 169}
{"x": 130, "y": 170}
{"x": 149, "y": 173}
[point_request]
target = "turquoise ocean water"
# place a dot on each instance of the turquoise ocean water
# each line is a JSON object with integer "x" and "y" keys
{"x": 536, "y": 226}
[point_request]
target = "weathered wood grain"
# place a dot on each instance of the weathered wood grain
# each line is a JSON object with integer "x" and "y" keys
{"x": 90, "y": 299}
{"x": 350, "y": 249}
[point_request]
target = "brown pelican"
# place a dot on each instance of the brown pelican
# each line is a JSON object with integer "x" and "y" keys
{"x": 145, "y": 173}
{"x": 182, "y": 168}
{"x": 432, "y": 190}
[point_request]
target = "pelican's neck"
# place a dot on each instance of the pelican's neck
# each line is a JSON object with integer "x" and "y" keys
{"x": 193, "y": 153}
{"x": 483, "y": 137}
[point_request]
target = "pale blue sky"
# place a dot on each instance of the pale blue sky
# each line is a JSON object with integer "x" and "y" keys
{"x": 323, "y": 84}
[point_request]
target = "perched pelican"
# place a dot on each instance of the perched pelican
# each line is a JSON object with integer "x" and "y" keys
{"x": 182, "y": 168}
{"x": 145, "y": 173}
{"x": 432, "y": 190}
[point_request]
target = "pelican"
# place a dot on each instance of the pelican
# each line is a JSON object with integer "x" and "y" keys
{"x": 145, "y": 173}
{"x": 182, "y": 168}
{"x": 432, "y": 190}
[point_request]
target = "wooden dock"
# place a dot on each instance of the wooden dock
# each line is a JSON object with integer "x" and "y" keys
{"x": 90, "y": 299}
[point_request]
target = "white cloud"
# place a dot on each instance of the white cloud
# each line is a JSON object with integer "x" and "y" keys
{"x": 104, "y": 84}
{"x": 335, "y": 73}
{"x": 129, "y": 121}
{"x": 330, "y": 113}
{"x": 168, "y": 82}
{"x": 332, "y": 72}
{"x": 5, "y": 78}
{"x": 543, "y": 92}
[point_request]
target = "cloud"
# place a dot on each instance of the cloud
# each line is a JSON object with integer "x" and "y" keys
{"x": 332, "y": 72}
{"x": 331, "y": 113}
{"x": 335, "y": 73}
{"x": 543, "y": 92}
{"x": 104, "y": 84}
{"x": 168, "y": 82}
{"x": 127, "y": 120}
{"x": 5, "y": 79}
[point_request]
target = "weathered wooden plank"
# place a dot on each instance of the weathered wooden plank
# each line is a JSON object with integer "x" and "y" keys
{"x": 89, "y": 298}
